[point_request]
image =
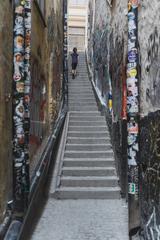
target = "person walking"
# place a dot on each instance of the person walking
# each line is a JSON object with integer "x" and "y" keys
{"x": 74, "y": 56}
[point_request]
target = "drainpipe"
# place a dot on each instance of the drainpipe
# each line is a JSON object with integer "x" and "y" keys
{"x": 21, "y": 105}
{"x": 133, "y": 118}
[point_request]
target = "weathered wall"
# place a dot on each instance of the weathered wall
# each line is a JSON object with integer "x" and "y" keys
{"x": 149, "y": 42}
{"x": 6, "y": 104}
{"x": 112, "y": 16}
{"x": 107, "y": 55}
{"x": 46, "y": 57}
{"x": 46, "y": 74}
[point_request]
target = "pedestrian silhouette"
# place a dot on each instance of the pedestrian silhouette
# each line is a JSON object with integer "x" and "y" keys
{"x": 74, "y": 56}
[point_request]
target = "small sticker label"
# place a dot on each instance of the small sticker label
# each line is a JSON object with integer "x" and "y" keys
{"x": 131, "y": 188}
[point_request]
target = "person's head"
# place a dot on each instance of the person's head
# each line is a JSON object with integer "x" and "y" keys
{"x": 74, "y": 49}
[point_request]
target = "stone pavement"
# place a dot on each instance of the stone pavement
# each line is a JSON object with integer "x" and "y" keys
{"x": 83, "y": 220}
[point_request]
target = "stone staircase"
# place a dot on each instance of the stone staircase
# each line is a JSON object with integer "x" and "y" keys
{"x": 87, "y": 164}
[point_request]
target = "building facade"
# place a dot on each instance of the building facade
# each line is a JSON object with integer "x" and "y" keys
{"x": 77, "y": 24}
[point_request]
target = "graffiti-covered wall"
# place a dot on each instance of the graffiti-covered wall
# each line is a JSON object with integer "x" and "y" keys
{"x": 6, "y": 23}
{"x": 107, "y": 50}
{"x": 149, "y": 43}
{"x": 111, "y": 37}
{"x": 46, "y": 71}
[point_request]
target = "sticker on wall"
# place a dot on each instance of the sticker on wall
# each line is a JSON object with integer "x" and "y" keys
{"x": 132, "y": 73}
{"x": 132, "y": 188}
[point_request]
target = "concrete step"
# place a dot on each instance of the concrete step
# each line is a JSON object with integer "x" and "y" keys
{"x": 88, "y": 162}
{"x": 81, "y": 90}
{"x": 88, "y": 147}
{"x": 88, "y": 140}
{"x": 88, "y": 128}
{"x": 91, "y": 114}
{"x": 83, "y": 85}
{"x": 83, "y": 71}
{"x": 83, "y": 103}
{"x": 88, "y": 134}
{"x": 83, "y": 118}
{"x": 88, "y": 154}
{"x": 82, "y": 95}
{"x": 87, "y": 193}
{"x": 87, "y": 123}
{"x": 110, "y": 181}
{"x": 81, "y": 100}
{"x": 82, "y": 108}
{"x": 79, "y": 79}
{"x": 88, "y": 171}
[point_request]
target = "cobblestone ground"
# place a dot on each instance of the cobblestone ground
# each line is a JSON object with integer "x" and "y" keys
{"x": 83, "y": 220}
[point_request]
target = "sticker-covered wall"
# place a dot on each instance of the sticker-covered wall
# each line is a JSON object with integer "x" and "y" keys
{"x": 21, "y": 102}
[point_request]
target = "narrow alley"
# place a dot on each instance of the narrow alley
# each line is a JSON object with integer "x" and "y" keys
{"x": 79, "y": 120}
{"x": 87, "y": 176}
